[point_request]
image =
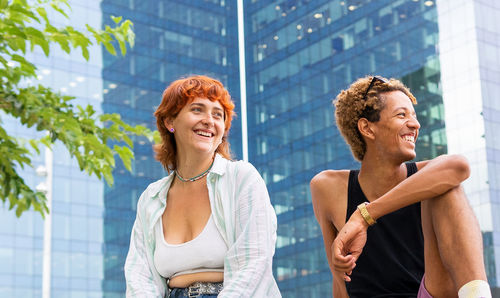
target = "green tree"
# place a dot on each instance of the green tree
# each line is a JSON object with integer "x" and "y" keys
{"x": 24, "y": 25}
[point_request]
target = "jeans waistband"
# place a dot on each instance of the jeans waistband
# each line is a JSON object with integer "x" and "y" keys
{"x": 197, "y": 289}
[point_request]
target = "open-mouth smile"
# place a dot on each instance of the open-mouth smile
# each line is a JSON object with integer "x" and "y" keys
{"x": 204, "y": 133}
{"x": 409, "y": 138}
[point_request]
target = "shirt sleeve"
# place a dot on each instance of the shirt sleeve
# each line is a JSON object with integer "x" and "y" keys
{"x": 139, "y": 276}
{"x": 248, "y": 263}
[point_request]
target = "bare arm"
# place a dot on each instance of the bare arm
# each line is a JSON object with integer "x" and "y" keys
{"x": 323, "y": 199}
{"x": 434, "y": 178}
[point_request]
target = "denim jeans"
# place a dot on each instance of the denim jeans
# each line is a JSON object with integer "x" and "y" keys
{"x": 183, "y": 292}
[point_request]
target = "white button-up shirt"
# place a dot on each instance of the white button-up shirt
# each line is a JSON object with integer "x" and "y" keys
{"x": 243, "y": 215}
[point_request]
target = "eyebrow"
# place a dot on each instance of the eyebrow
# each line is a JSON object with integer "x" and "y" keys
{"x": 203, "y": 105}
{"x": 404, "y": 108}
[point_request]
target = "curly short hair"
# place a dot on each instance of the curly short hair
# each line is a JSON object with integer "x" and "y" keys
{"x": 350, "y": 106}
{"x": 175, "y": 97}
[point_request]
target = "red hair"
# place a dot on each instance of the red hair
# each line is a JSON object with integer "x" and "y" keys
{"x": 174, "y": 98}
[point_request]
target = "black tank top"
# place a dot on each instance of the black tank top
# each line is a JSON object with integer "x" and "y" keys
{"x": 392, "y": 262}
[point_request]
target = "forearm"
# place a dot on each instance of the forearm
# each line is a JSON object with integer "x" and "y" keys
{"x": 338, "y": 287}
{"x": 437, "y": 177}
{"x": 340, "y": 293}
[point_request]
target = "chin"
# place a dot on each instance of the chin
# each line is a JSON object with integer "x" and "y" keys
{"x": 410, "y": 155}
{"x": 205, "y": 149}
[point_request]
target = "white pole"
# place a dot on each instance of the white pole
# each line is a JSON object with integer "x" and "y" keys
{"x": 243, "y": 84}
{"x": 47, "y": 228}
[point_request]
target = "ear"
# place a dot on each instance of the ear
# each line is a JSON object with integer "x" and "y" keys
{"x": 365, "y": 127}
{"x": 169, "y": 123}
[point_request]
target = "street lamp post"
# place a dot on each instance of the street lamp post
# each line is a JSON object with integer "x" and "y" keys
{"x": 46, "y": 188}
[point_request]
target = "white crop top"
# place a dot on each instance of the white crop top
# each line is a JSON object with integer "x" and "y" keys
{"x": 204, "y": 253}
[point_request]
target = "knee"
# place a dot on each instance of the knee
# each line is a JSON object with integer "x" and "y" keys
{"x": 454, "y": 197}
{"x": 452, "y": 206}
{"x": 453, "y": 201}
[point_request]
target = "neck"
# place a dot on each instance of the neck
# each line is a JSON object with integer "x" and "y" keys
{"x": 378, "y": 175}
{"x": 193, "y": 165}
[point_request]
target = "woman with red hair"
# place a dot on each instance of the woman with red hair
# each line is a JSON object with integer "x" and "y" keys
{"x": 207, "y": 229}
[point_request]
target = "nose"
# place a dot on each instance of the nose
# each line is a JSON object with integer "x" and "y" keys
{"x": 208, "y": 120}
{"x": 413, "y": 123}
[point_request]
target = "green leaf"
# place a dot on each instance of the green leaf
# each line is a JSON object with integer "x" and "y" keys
{"x": 63, "y": 42}
{"x": 43, "y": 13}
{"x": 37, "y": 38}
{"x": 123, "y": 47}
{"x": 58, "y": 9}
{"x": 157, "y": 137}
{"x": 110, "y": 48}
{"x": 109, "y": 178}
{"x": 126, "y": 155}
{"x": 6, "y": 186}
{"x": 22, "y": 11}
{"x": 34, "y": 145}
{"x": 30, "y": 31}
{"x": 131, "y": 38}
{"x": 21, "y": 59}
{"x": 12, "y": 43}
{"x": 85, "y": 53}
{"x": 14, "y": 31}
{"x": 21, "y": 44}
{"x": 116, "y": 19}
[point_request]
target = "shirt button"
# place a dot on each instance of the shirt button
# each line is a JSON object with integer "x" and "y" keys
{"x": 213, "y": 179}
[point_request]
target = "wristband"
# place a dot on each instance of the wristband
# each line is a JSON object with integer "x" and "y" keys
{"x": 364, "y": 213}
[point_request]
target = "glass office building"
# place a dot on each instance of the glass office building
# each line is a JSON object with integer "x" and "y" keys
{"x": 469, "y": 33}
{"x": 173, "y": 39}
{"x": 77, "y": 200}
{"x": 300, "y": 54}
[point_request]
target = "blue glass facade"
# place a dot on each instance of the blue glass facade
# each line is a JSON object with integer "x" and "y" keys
{"x": 302, "y": 53}
{"x": 173, "y": 39}
{"x": 77, "y": 200}
{"x": 21, "y": 242}
{"x": 469, "y": 77}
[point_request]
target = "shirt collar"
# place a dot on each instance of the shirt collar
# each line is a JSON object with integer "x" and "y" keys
{"x": 163, "y": 187}
{"x": 220, "y": 165}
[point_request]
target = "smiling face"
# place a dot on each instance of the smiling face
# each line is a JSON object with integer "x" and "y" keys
{"x": 199, "y": 127}
{"x": 397, "y": 130}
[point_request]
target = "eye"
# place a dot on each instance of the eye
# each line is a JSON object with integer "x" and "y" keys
{"x": 402, "y": 114}
{"x": 196, "y": 109}
{"x": 218, "y": 115}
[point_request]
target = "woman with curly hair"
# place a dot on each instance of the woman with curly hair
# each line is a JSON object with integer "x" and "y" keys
{"x": 395, "y": 228}
{"x": 207, "y": 229}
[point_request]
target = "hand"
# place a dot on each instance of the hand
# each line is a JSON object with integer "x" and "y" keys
{"x": 348, "y": 245}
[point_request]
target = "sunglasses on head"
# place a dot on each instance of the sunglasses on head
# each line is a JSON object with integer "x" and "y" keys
{"x": 372, "y": 82}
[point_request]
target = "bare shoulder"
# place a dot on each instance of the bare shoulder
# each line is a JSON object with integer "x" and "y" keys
{"x": 329, "y": 195}
{"x": 330, "y": 181}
